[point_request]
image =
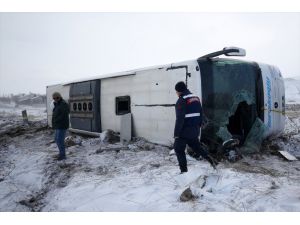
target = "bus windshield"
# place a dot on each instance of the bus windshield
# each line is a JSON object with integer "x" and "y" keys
{"x": 231, "y": 98}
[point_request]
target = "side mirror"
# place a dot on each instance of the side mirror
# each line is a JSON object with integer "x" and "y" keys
{"x": 234, "y": 51}
{"x": 228, "y": 51}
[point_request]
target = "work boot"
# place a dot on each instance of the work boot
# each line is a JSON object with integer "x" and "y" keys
{"x": 55, "y": 157}
{"x": 61, "y": 158}
{"x": 183, "y": 170}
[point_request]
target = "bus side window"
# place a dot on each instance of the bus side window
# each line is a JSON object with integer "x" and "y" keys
{"x": 122, "y": 105}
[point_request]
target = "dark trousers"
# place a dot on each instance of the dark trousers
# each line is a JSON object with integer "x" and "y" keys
{"x": 179, "y": 147}
{"x": 60, "y": 141}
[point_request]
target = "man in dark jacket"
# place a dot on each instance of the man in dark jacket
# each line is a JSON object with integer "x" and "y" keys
{"x": 187, "y": 128}
{"x": 60, "y": 122}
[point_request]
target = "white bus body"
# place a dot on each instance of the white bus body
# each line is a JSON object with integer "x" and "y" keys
{"x": 148, "y": 94}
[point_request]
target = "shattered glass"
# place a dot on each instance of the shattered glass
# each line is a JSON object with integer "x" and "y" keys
{"x": 229, "y": 99}
{"x": 224, "y": 134}
{"x": 254, "y": 138}
{"x": 242, "y": 96}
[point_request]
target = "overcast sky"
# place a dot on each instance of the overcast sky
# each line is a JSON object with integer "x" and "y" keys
{"x": 39, "y": 49}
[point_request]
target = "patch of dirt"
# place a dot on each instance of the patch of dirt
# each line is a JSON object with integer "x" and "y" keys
{"x": 187, "y": 195}
{"x": 111, "y": 137}
{"x": 58, "y": 175}
{"x": 20, "y": 128}
{"x": 251, "y": 168}
{"x": 102, "y": 170}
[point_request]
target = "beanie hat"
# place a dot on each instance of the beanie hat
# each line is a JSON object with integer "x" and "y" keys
{"x": 180, "y": 86}
{"x": 56, "y": 95}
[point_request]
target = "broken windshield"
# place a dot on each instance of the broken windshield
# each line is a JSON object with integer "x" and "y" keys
{"x": 230, "y": 97}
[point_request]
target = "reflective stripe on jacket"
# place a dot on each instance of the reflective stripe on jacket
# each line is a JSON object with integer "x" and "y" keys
{"x": 188, "y": 116}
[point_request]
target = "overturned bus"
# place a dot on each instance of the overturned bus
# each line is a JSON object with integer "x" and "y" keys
{"x": 240, "y": 99}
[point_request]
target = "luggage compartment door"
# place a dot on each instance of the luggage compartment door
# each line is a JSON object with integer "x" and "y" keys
{"x": 85, "y": 106}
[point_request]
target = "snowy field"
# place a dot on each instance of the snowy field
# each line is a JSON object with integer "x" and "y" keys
{"x": 12, "y": 112}
{"x": 139, "y": 176}
{"x": 292, "y": 90}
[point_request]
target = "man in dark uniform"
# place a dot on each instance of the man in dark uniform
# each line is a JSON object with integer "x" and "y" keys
{"x": 187, "y": 128}
{"x": 60, "y": 122}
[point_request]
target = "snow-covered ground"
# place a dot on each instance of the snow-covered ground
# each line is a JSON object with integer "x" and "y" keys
{"x": 292, "y": 90}
{"x": 140, "y": 176}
